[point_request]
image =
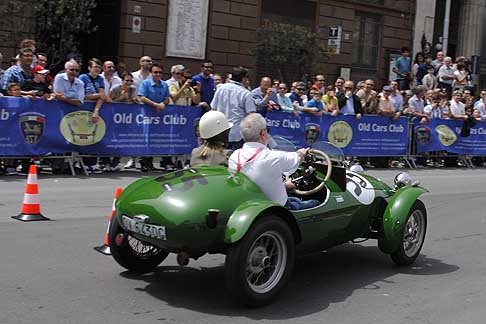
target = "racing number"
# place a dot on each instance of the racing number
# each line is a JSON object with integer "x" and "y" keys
{"x": 188, "y": 182}
{"x": 357, "y": 185}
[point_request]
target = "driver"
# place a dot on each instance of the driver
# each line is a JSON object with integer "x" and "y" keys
{"x": 266, "y": 167}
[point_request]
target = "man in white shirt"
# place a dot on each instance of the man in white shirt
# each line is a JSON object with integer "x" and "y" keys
{"x": 109, "y": 77}
{"x": 144, "y": 71}
{"x": 266, "y": 167}
{"x": 457, "y": 107}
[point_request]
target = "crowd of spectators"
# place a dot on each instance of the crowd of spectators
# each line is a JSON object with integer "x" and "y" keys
{"x": 425, "y": 88}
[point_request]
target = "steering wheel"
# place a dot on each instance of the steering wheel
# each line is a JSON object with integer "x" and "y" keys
{"x": 324, "y": 156}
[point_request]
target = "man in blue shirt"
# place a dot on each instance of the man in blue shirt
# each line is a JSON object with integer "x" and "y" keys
{"x": 349, "y": 103}
{"x": 265, "y": 96}
{"x": 153, "y": 91}
{"x": 208, "y": 88}
{"x": 94, "y": 86}
{"x": 402, "y": 69}
{"x": 21, "y": 72}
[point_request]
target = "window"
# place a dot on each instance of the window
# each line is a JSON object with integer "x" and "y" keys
{"x": 365, "y": 40}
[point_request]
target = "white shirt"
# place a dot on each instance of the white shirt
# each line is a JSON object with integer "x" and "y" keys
{"x": 235, "y": 102}
{"x": 138, "y": 78}
{"x": 457, "y": 108}
{"x": 266, "y": 168}
{"x": 110, "y": 84}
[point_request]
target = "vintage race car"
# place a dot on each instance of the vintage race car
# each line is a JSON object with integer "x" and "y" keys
{"x": 211, "y": 210}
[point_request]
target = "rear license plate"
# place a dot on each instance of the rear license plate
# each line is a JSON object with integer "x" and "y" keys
{"x": 144, "y": 229}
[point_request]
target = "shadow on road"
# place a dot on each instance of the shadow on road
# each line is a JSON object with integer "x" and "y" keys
{"x": 318, "y": 281}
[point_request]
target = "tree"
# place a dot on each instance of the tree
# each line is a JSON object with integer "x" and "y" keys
{"x": 288, "y": 52}
{"x": 58, "y": 25}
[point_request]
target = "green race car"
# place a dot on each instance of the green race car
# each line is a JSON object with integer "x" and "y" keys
{"x": 210, "y": 210}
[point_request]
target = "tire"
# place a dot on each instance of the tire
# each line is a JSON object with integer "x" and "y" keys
{"x": 248, "y": 268}
{"x": 134, "y": 255}
{"x": 412, "y": 235}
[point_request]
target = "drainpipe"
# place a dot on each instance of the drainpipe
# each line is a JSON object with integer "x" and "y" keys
{"x": 445, "y": 33}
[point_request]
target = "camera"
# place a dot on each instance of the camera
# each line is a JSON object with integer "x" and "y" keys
{"x": 193, "y": 83}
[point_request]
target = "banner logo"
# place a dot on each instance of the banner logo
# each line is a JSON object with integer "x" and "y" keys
{"x": 446, "y": 135}
{"x": 32, "y": 126}
{"x": 422, "y": 134}
{"x": 312, "y": 132}
{"x": 340, "y": 134}
{"x": 78, "y": 129}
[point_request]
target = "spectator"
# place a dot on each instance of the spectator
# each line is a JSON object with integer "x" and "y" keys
{"x": 434, "y": 110}
{"x": 235, "y": 102}
{"x": 296, "y": 96}
{"x": 21, "y": 72}
{"x": 265, "y": 96}
{"x": 480, "y": 105}
{"x": 13, "y": 90}
{"x": 429, "y": 81}
{"x": 94, "y": 86}
{"x": 402, "y": 69}
{"x": 206, "y": 80}
{"x": 331, "y": 101}
{"x": 349, "y": 103}
{"x": 339, "y": 84}
{"x": 67, "y": 87}
{"x": 460, "y": 77}
{"x": 446, "y": 75}
{"x": 482, "y": 99}
{"x": 176, "y": 72}
{"x": 125, "y": 91}
{"x": 30, "y": 43}
{"x": 468, "y": 100}
{"x": 396, "y": 97}
{"x": 385, "y": 104}
{"x": 284, "y": 101}
{"x": 42, "y": 61}
{"x": 14, "y": 61}
{"x": 155, "y": 93}
{"x": 37, "y": 87}
{"x": 143, "y": 72}
{"x": 2, "y": 71}
{"x": 438, "y": 62}
{"x": 275, "y": 85}
{"x": 457, "y": 107}
{"x": 185, "y": 91}
{"x": 416, "y": 104}
{"x": 120, "y": 69}
{"x": 315, "y": 106}
{"x": 418, "y": 68}
{"x": 217, "y": 79}
{"x": 319, "y": 84}
{"x": 109, "y": 77}
{"x": 367, "y": 97}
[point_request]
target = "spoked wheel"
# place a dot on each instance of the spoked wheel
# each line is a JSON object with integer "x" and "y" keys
{"x": 133, "y": 254}
{"x": 258, "y": 266}
{"x": 413, "y": 235}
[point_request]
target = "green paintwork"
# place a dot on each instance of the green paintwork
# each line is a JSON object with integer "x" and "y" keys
{"x": 395, "y": 215}
{"x": 180, "y": 201}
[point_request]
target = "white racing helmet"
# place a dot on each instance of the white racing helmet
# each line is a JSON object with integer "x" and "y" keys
{"x": 213, "y": 123}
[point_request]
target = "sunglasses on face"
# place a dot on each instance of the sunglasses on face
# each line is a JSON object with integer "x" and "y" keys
{"x": 74, "y": 70}
{"x": 156, "y": 72}
{"x": 348, "y": 88}
{"x": 280, "y": 88}
{"x": 179, "y": 73}
{"x": 128, "y": 80}
{"x": 209, "y": 67}
{"x": 147, "y": 61}
{"x": 110, "y": 67}
{"x": 300, "y": 89}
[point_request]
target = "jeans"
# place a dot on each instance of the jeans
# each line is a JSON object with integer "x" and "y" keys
{"x": 294, "y": 203}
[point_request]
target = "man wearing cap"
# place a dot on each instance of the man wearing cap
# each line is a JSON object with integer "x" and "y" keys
{"x": 312, "y": 132}
{"x": 265, "y": 167}
{"x": 385, "y": 104}
{"x": 37, "y": 86}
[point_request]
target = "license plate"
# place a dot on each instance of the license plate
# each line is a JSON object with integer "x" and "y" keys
{"x": 144, "y": 229}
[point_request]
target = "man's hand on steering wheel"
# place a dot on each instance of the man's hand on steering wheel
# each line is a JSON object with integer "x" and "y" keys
{"x": 303, "y": 152}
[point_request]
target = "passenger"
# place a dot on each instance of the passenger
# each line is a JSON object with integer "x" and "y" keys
{"x": 214, "y": 129}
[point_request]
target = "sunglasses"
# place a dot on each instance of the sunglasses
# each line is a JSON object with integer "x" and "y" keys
{"x": 74, "y": 70}
{"x": 209, "y": 67}
{"x": 300, "y": 89}
{"x": 280, "y": 88}
{"x": 157, "y": 72}
{"x": 348, "y": 88}
{"x": 179, "y": 73}
{"x": 320, "y": 80}
{"x": 110, "y": 67}
{"x": 128, "y": 80}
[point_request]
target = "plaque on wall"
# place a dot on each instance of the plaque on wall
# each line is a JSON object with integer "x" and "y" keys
{"x": 187, "y": 28}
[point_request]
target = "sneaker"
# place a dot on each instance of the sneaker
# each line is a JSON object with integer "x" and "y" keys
{"x": 116, "y": 168}
{"x": 170, "y": 167}
{"x": 130, "y": 164}
{"x": 107, "y": 168}
{"x": 96, "y": 169}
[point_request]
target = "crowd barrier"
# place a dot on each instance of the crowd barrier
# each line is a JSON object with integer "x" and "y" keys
{"x": 38, "y": 127}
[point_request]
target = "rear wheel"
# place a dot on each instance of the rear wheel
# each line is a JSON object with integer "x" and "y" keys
{"x": 260, "y": 264}
{"x": 133, "y": 254}
{"x": 412, "y": 235}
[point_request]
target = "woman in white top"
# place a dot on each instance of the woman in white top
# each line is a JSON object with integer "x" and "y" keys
{"x": 460, "y": 77}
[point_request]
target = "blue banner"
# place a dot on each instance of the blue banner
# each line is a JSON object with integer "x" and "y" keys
{"x": 368, "y": 136}
{"x": 37, "y": 127}
{"x": 444, "y": 135}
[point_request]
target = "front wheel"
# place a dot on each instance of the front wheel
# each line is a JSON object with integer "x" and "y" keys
{"x": 260, "y": 264}
{"x": 133, "y": 254}
{"x": 412, "y": 235}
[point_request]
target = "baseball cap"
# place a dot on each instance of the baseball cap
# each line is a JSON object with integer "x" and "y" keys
{"x": 387, "y": 88}
{"x": 39, "y": 69}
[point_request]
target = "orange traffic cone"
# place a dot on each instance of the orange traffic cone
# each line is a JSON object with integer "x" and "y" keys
{"x": 31, "y": 206}
{"x": 105, "y": 248}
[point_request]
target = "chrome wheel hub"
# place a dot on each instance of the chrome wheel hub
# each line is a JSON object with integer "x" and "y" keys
{"x": 414, "y": 233}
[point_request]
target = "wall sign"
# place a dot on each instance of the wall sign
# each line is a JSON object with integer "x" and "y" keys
{"x": 187, "y": 28}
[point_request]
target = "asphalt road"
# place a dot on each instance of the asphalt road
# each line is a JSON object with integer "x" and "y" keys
{"x": 49, "y": 272}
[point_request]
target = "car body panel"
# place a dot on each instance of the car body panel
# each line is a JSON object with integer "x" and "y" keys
{"x": 396, "y": 214}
